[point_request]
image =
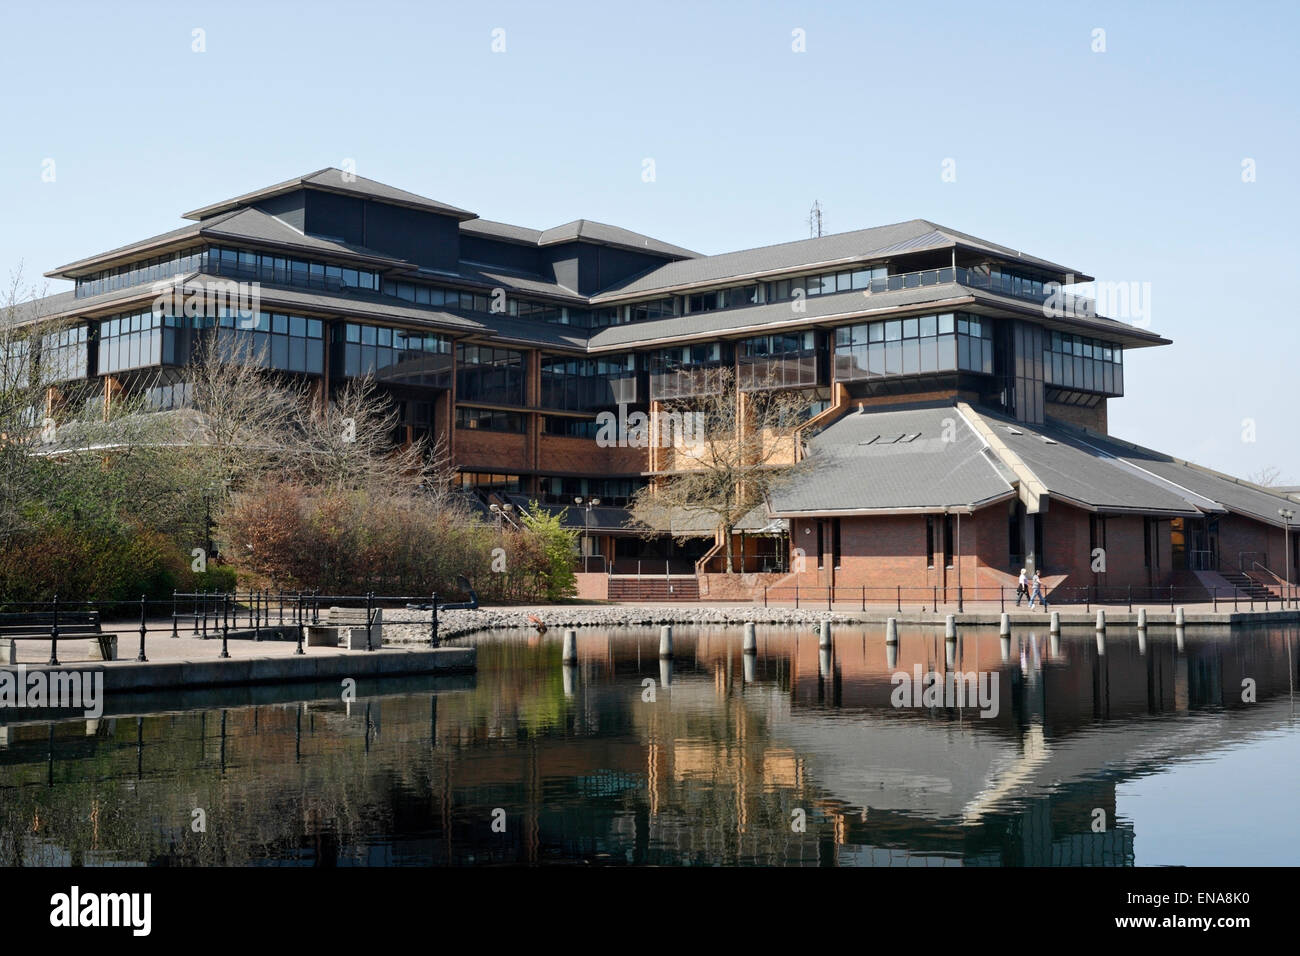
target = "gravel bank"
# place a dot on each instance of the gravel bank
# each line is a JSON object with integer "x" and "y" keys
{"x": 458, "y": 623}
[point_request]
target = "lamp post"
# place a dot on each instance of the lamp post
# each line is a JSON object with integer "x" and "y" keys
{"x": 586, "y": 527}
{"x": 1287, "y": 514}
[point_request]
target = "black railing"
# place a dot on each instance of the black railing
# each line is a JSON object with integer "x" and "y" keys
{"x": 255, "y": 615}
{"x": 934, "y": 597}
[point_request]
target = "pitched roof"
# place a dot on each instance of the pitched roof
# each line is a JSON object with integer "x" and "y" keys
{"x": 254, "y": 224}
{"x": 1192, "y": 480}
{"x": 331, "y": 179}
{"x": 1086, "y": 476}
{"x": 501, "y": 230}
{"x": 839, "y": 249}
{"x": 599, "y": 232}
{"x": 817, "y": 310}
{"x": 921, "y": 458}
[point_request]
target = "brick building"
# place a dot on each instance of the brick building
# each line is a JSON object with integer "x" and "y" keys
{"x": 958, "y": 394}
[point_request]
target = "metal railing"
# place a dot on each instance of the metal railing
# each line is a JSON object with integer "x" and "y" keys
{"x": 935, "y": 597}
{"x": 255, "y": 614}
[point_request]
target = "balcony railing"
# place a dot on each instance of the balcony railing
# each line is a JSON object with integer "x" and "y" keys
{"x": 1001, "y": 284}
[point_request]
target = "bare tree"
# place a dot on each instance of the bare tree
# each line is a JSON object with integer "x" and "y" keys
{"x": 22, "y": 397}
{"x": 730, "y": 448}
{"x": 1267, "y": 477}
{"x": 351, "y": 443}
{"x": 243, "y": 418}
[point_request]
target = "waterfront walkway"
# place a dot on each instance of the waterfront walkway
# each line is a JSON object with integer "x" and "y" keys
{"x": 187, "y": 661}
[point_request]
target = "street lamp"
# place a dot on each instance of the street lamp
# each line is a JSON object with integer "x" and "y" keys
{"x": 1287, "y": 514}
{"x": 586, "y": 527}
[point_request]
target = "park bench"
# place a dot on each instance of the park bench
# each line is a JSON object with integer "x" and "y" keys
{"x": 37, "y": 625}
{"x": 346, "y": 626}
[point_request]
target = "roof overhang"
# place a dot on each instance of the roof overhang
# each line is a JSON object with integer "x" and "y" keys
{"x": 969, "y": 508}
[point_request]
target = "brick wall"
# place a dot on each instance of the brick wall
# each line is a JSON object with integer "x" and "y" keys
{"x": 481, "y": 450}
{"x": 582, "y": 456}
{"x": 1090, "y": 418}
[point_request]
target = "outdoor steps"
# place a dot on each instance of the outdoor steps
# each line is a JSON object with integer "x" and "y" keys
{"x": 1248, "y": 585}
{"x": 653, "y": 588}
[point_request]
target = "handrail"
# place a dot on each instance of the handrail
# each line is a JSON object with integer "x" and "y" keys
{"x": 1277, "y": 578}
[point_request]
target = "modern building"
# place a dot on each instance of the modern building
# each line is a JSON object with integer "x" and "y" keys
{"x": 959, "y": 396}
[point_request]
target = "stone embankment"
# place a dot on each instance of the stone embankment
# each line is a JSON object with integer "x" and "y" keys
{"x": 458, "y": 623}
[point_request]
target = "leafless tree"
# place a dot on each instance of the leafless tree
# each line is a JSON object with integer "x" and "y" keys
{"x": 1267, "y": 477}
{"x": 352, "y": 443}
{"x": 242, "y": 418}
{"x": 734, "y": 447}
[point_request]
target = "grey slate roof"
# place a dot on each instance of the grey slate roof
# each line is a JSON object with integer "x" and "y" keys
{"x": 580, "y": 230}
{"x": 586, "y": 229}
{"x": 190, "y": 231}
{"x": 251, "y": 223}
{"x": 869, "y": 461}
{"x": 1195, "y": 481}
{"x": 1085, "y": 475}
{"x": 773, "y": 315}
{"x": 523, "y": 282}
{"x": 835, "y": 250}
{"x": 501, "y": 230}
{"x": 333, "y": 180}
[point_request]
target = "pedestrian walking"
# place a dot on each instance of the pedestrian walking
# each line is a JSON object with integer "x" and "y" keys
{"x": 1037, "y": 594}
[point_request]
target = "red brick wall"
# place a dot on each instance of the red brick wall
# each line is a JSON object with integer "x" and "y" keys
{"x": 1090, "y": 418}
{"x": 890, "y": 551}
{"x": 481, "y": 450}
{"x": 560, "y": 453}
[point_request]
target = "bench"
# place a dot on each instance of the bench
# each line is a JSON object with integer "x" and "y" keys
{"x": 346, "y": 626}
{"x": 36, "y": 626}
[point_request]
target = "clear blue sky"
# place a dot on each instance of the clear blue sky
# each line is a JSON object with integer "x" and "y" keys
{"x": 1126, "y": 164}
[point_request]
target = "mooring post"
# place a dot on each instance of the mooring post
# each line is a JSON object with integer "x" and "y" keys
{"x": 370, "y": 600}
{"x": 1101, "y": 619}
{"x": 54, "y": 637}
{"x": 1055, "y": 626}
{"x": 570, "y": 650}
{"x": 1004, "y": 625}
{"x": 824, "y": 635}
{"x": 225, "y": 628}
{"x": 1142, "y": 619}
{"x": 666, "y": 641}
{"x": 140, "y": 657}
{"x": 1179, "y": 618}
{"x": 751, "y": 638}
{"x": 949, "y": 627}
{"x": 891, "y": 630}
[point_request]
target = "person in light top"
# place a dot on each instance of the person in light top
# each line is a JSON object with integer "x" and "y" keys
{"x": 1037, "y": 594}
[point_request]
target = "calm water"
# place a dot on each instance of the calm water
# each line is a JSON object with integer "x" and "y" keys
{"x": 1136, "y": 755}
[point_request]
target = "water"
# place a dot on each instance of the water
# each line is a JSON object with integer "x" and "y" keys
{"x": 1139, "y": 755}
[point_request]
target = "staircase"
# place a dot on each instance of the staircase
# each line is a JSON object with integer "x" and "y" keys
{"x": 1248, "y": 586}
{"x": 657, "y": 588}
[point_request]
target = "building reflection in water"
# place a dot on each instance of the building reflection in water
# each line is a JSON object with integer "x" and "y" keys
{"x": 627, "y": 758}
